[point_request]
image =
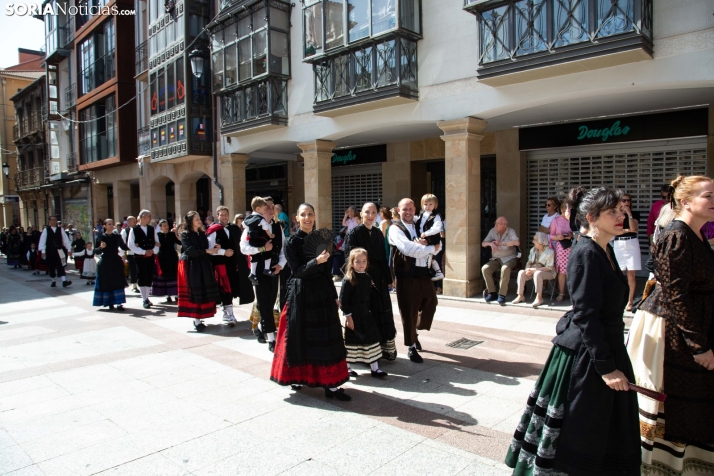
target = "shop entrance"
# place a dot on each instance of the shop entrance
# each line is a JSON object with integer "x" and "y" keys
{"x": 203, "y": 195}
{"x": 267, "y": 181}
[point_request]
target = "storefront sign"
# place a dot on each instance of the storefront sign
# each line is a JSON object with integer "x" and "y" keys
{"x": 685, "y": 123}
{"x": 360, "y": 155}
{"x": 11, "y": 199}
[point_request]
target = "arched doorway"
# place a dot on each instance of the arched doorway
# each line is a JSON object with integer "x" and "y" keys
{"x": 194, "y": 193}
{"x": 162, "y": 197}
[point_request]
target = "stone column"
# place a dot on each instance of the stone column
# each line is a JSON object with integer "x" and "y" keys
{"x": 463, "y": 205}
{"x": 318, "y": 178}
{"x": 122, "y": 200}
{"x": 233, "y": 181}
{"x": 396, "y": 175}
{"x": 101, "y": 205}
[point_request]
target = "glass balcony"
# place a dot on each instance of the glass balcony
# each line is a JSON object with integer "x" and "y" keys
{"x": 257, "y": 104}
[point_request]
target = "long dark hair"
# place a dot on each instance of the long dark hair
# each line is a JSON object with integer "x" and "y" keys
{"x": 297, "y": 213}
{"x": 188, "y": 221}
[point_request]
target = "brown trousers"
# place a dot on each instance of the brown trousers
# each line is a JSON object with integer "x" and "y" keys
{"x": 416, "y": 298}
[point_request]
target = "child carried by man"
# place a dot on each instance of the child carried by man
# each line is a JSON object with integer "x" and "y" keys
{"x": 430, "y": 228}
{"x": 259, "y": 234}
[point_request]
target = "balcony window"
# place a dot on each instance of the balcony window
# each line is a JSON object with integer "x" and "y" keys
{"x": 524, "y": 34}
{"x": 363, "y": 19}
{"x": 98, "y": 131}
{"x": 166, "y": 87}
{"x": 96, "y": 59}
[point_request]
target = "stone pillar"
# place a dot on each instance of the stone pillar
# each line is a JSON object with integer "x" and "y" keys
{"x": 710, "y": 143}
{"x": 233, "y": 181}
{"x": 100, "y": 202}
{"x": 463, "y": 205}
{"x": 318, "y": 178}
{"x": 185, "y": 197}
{"x": 511, "y": 182}
{"x": 122, "y": 200}
{"x": 396, "y": 175}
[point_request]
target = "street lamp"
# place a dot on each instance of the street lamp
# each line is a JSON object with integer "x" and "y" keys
{"x": 197, "y": 60}
{"x": 6, "y": 170}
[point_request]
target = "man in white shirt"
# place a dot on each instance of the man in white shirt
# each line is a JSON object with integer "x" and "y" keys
{"x": 145, "y": 244}
{"x": 416, "y": 295}
{"x": 54, "y": 246}
{"x": 130, "y": 259}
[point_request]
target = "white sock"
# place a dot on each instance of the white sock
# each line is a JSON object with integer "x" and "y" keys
{"x": 332, "y": 389}
{"x": 64, "y": 278}
{"x": 253, "y": 267}
{"x": 413, "y": 346}
{"x": 270, "y": 336}
{"x": 435, "y": 266}
{"x": 197, "y": 321}
{"x": 374, "y": 366}
{"x": 228, "y": 309}
{"x": 260, "y": 328}
{"x": 349, "y": 367}
{"x": 144, "y": 292}
{"x": 54, "y": 280}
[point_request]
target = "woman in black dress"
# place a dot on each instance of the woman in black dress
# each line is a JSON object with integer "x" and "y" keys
{"x": 197, "y": 287}
{"x": 310, "y": 349}
{"x": 110, "y": 282}
{"x": 370, "y": 237}
{"x": 164, "y": 282}
{"x": 79, "y": 252}
{"x": 13, "y": 243}
{"x": 580, "y": 418}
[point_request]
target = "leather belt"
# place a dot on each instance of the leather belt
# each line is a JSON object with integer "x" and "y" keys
{"x": 625, "y": 238}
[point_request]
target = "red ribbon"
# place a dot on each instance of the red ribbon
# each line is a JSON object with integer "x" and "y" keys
{"x": 158, "y": 265}
{"x": 222, "y": 278}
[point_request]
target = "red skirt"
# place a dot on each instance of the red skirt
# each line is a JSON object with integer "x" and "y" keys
{"x": 79, "y": 264}
{"x": 311, "y": 375}
{"x": 186, "y": 308}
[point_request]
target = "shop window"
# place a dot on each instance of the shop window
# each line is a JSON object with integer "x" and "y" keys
{"x": 171, "y": 85}
{"x": 98, "y": 137}
{"x": 172, "y": 132}
{"x": 181, "y": 129}
{"x": 200, "y": 128}
{"x": 162, "y": 135}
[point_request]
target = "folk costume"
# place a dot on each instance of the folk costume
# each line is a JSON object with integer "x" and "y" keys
{"x": 141, "y": 240}
{"x": 89, "y": 268}
{"x": 197, "y": 288}
{"x": 32, "y": 260}
{"x": 55, "y": 244}
{"x": 363, "y": 302}
{"x": 310, "y": 349}
{"x": 372, "y": 240}
{"x": 231, "y": 272}
{"x": 257, "y": 229}
{"x": 14, "y": 249}
{"x": 574, "y": 423}
{"x": 79, "y": 254}
{"x": 110, "y": 281}
{"x": 673, "y": 324}
{"x": 166, "y": 261}
{"x": 131, "y": 261}
{"x": 431, "y": 224}
{"x": 416, "y": 296}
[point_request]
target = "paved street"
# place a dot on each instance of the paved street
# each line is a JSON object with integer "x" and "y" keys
{"x": 85, "y": 391}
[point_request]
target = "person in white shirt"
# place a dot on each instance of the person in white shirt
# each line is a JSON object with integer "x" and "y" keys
{"x": 145, "y": 244}
{"x": 130, "y": 259}
{"x": 54, "y": 246}
{"x": 416, "y": 296}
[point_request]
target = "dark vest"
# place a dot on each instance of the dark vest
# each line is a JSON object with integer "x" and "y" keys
{"x": 404, "y": 266}
{"x": 54, "y": 239}
{"x": 226, "y": 243}
{"x": 277, "y": 244}
{"x": 428, "y": 223}
{"x": 145, "y": 241}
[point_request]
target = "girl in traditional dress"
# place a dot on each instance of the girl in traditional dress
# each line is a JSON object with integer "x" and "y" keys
{"x": 197, "y": 287}
{"x": 164, "y": 282}
{"x": 369, "y": 236}
{"x": 89, "y": 267}
{"x": 110, "y": 283}
{"x": 310, "y": 349}
{"x": 580, "y": 418}
{"x": 14, "y": 247}
{"x": 78, "y": 252}
{"x": 670, "y": 340}
{"x": 358, "y": 297}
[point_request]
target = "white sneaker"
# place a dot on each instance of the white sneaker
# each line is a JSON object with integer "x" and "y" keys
{"x": 438, "y": 276}
{"x": 226, "y": 316}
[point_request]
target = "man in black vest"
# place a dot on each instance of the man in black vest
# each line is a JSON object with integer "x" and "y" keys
{"x": 267, "y": 291}
{"x": 54, "y": 246}
{"x": 416, "y": 296}
{"x": 130, "y": 259}
{"x": 230, "y": 264}
{"x": 144, "y": 243}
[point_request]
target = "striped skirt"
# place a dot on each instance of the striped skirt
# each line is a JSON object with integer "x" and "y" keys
{"x": 108, "y": 298}
{"x": 389, "y": 350}
{"x": 365, "y": 354}
{"x": 187, "y": 308}
{"x": 163, "y": 287}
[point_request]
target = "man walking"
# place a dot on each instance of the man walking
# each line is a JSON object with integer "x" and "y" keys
{"x": 54, "y": 246}
{"x": 231, "y": 267}
{"x": 145, "y": 244}
{"x": 416, "y": 296}
{"x": 130, "y": 258}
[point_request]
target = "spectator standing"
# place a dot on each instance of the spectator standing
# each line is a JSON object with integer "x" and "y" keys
{"x": 654, "y": 211}
{"x": 552, "y": 207}
{"x": 503, "y": 242}
{"x": 350, "y": 218}
{"x": 238, "y": 221}
{"x": 627, "y": 246}
{"x": 282, "y": 219}
{"x": 561, "y": 240}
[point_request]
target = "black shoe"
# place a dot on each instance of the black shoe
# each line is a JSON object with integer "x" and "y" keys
{"x": 414, "y": 356}
{"x": 199, "y": 327}
{"x": 253, "y": 279}
{"x": 379, "y": 373}
{"x": 271, "y": 346}
{"x": 120, "y": 308}
{"x": 53, "y": 285}
{"x": 501, "y": 300}
{"x": 338, "y": 394}
{"x": 417, "y": 345}
{"x": 352, "y": 373}
{"x": 66, "y": 283}
{"x": 268, "y": 272}
{"x": 147, "y": 304}
{"x": 259, "y": 334}
{"x": 111, "y": 307}
{"x": 491, "y": 297}
{"x": 168, "y": 300}
{"x": 389, "y": 356}
{"x": 297, "y": 388}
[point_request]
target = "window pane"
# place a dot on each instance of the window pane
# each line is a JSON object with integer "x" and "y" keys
{"x": 200, "y": 128}
{"x": 358, "y": 19}
{"x": 199, "y": 89}
{"x": 259, "y": 47}
{"x": 161, "y": 35}
{"x": 259, "y": 18}
{"x": 313, "y": 29}
{"x": 153, "y": 95}
{"x": 279, "y": 19}
{"x": 162, "y": 135}
{"x": 244, "y": 59}
{"x": 181, "y": 129}
{"x": 334, "y": 26}
{"x": 161, "y": 85}
{"x": 217, "y": 69}
{"x": 279, "y": 60}
{"x": 180, "y": 88}
{"x": 409, "y": 11}
{"x": 171, "y": 86}
{"x": 244, "y": 26}
{"x": 383, "y": 16}
{"x": 231, "y": 59}
{"x": 154, "y": 137}
{"x": 172, "y": 132}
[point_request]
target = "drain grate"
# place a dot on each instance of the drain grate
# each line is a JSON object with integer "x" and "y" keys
{"x": 464, "y": 343}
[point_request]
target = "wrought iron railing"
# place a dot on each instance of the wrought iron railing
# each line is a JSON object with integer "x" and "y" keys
{"x": 36, "y": 121}
{"x": 370, "y": 71}
{"x": 263, "y": 101}
{"x": 31, "y": 178}
{"x": 72, "y": 162}
{"x": 15, "y": 132}
{"x": 142, "y": 58}
{"x": 70, "y": 96}
{"x": 66, "y": 33}
{"x": 516, "y": 29}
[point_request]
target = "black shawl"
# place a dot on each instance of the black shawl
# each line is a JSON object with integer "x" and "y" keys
{"x": 201, "y": 282}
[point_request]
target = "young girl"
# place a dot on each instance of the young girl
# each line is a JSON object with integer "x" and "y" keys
{"x": 89, "y": 269}
{"x": 362, "y": 335}
{"x": 430, "y": 227}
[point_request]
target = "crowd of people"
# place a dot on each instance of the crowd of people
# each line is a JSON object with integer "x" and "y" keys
{"x": 598, "y": 406}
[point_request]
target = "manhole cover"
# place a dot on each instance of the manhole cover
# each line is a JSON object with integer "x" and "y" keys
{"x": 464, "y": 343}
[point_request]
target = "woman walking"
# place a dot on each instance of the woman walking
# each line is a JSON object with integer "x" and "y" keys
{"x": 670, "y": 341}
{"x": 580, "y": 418}
{"x": 13, "y": 247}
{"x": 197, "y": 287}
{"x": 164, "y": 282}
{"x": 561, "y": 240}
{"x": 110, "y": 281}
{"x": 369, "y": 237}
{"x": 315, "y": 358}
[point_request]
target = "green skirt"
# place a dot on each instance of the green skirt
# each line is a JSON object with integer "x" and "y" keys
{"x": 532, "y": 450}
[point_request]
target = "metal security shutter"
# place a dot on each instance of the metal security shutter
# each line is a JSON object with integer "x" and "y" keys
{"x": 637, "y": 168}
{"x": 354, "y": 185}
